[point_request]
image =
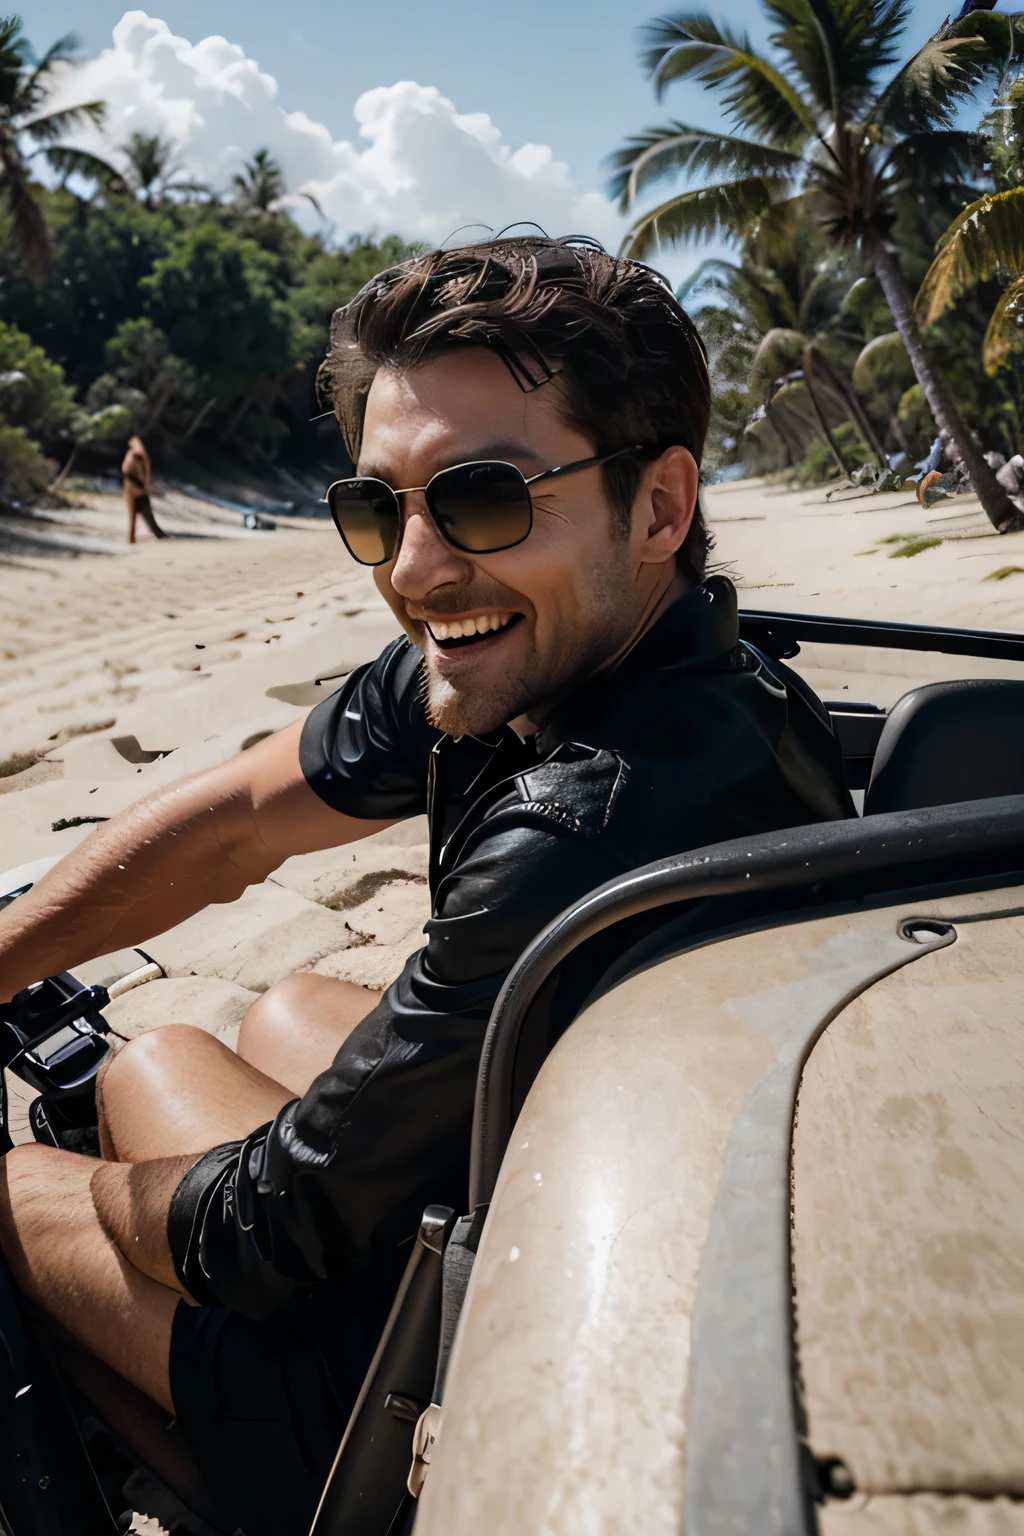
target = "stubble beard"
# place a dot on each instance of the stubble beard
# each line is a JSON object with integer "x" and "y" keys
{"x": 475, "y": 711}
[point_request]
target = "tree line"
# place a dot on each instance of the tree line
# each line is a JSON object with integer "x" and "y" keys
{"x": 844, "y": 169}
{"x": 873, "y": 297}
{"x": 134, "y": 299}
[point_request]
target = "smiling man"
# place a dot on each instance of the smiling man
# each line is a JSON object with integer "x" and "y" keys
{"x": 570, "y": 699}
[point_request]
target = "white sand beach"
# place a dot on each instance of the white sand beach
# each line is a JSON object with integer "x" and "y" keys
{"x": 124, "y": 668}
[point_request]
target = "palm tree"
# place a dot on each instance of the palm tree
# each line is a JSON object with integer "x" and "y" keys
{"x": 153, "y": 169}
{"x": 786, "y": 297}
{"x": 986, "y": 241}
{"x": 25, "y": 84}
{"x": 819, "y": 118}
{"x": 261, "y": 184}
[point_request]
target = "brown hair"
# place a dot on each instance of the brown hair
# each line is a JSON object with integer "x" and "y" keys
{"x": 632, "y": 366}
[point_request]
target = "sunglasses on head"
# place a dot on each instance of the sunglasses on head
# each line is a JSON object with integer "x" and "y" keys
{"x": 480, "y": 508}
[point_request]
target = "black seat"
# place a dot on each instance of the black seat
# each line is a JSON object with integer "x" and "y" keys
{"x": 949, "y": 741}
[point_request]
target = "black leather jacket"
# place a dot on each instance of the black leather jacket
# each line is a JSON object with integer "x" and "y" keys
{"x": 693, "y": 738}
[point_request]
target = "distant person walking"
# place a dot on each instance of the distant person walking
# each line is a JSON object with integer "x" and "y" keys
{"x": 138, "y": 474}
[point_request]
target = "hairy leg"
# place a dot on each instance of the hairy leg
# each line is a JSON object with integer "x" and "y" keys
{"x": 152, "y": 1435}
{"x": 293, "y": 1032}
{"x": 63, "y": 1261}
{"x": 178, "y": 1090}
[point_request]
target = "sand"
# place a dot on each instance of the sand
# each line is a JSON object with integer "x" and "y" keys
{"x": 123, "y": 668}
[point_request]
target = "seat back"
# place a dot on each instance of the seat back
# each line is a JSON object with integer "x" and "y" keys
{"x": 946, "y": 742}
{"x": 366, "y": 1488}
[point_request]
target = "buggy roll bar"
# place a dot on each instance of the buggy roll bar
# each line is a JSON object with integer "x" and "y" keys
{"x": 781, "y": 634}
{"x": 773, "y": 861}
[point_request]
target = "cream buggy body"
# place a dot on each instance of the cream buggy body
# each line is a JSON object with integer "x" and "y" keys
{"x": 743, "y": 1250}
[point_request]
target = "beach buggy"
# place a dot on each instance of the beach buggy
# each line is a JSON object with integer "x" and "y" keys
{"x": 743, "y": 1253}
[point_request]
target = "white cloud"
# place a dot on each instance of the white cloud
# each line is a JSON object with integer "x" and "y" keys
{"x": 417, "y": 167}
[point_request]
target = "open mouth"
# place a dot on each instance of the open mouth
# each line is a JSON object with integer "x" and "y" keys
{"x": 459, "y": 633}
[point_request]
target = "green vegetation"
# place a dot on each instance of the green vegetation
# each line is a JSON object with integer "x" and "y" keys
{"x": 910, "y": 544}
{"x": 28, "y": 131}
{"x": 832, "y": 132}
{"x": 824, "y": 461}
{"x": 35, "y": 403}
{"x": 134, "y": 299}
{"x": 986, "y": 241}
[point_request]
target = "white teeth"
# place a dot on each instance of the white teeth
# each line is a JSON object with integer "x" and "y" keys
{"x": 457, "y": 629}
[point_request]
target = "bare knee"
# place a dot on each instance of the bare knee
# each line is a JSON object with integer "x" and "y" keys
{"x": 273, "y": 1018}
{"x": 144, "y": 1070}
{"x": 295, "y": 1029}
{"x": 149, "y": 1057}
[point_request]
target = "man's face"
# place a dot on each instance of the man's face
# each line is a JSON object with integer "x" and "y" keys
{"x": 556, "y": 606}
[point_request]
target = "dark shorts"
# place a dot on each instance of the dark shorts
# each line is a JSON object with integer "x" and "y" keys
{"x": 262, "y": 1411}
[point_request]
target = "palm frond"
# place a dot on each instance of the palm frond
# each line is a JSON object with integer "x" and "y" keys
{"x": 919, "y": 160}
{"x": 779, "y": 353}
{"x": 63, "y": 51}
{"x": 191, "y": 188}
{"x": 840, "y": 47}
{"x": 702, "y": 214}
{"x": 819, "y": 300}
{"x": 55, "y": 125}
{"x": 756, "y": 296}
{"x": 769, "y": 298}
{"x": 714, "y": 273}
{"x": 926, "y": 92}
{"x": 984, "y": 241}
{"x": 1004, "y": 339}
{"x": 26, "y": 216}
{"x": 753, "y": 92}
{"x": 79, "y": 162}
{"x": 676, "y": 149}
{"x": 883, "y": 361}
{"x": 1002, "y": 31}
{"x": 15, "y": 50}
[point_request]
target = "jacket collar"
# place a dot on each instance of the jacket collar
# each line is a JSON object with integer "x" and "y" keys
{"x": 695, "y": 631}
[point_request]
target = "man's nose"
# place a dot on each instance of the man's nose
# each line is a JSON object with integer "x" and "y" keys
{"x": 425, "y": 560}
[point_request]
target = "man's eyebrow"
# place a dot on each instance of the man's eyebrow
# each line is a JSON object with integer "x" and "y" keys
{"x": 508, "y": 451}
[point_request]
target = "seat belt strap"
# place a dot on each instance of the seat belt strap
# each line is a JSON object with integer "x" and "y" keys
{"x": 459, "y": 1257}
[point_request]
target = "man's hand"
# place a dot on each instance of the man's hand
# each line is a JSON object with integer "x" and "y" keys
{"x": 132, "y": 1201}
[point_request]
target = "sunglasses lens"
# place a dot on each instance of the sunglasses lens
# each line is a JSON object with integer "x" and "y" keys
{"x": 366, "y": 515}
{"x": 481, "y": 507}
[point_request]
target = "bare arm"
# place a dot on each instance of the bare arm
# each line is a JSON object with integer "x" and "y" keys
{"x": 131, "y": 1201}
{"x": 201, "y": 840}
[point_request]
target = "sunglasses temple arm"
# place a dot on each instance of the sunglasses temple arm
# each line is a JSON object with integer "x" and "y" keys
{"x": 581, "y": 464}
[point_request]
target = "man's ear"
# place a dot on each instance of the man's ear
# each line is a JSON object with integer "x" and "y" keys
{"x": 667, "y": 501}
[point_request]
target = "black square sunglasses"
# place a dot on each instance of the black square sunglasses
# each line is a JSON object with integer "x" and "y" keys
{"x": 480, "y": 508}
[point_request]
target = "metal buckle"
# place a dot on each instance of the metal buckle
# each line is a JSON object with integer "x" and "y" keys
{"x": 425, "y": 1437}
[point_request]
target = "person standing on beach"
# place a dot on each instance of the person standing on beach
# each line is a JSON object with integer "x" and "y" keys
{"x": 138, "y": 474}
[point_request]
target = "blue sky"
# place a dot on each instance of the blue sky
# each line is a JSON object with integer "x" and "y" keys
{"x": 564, "y": 74}
{"x": 546, "y": 72}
